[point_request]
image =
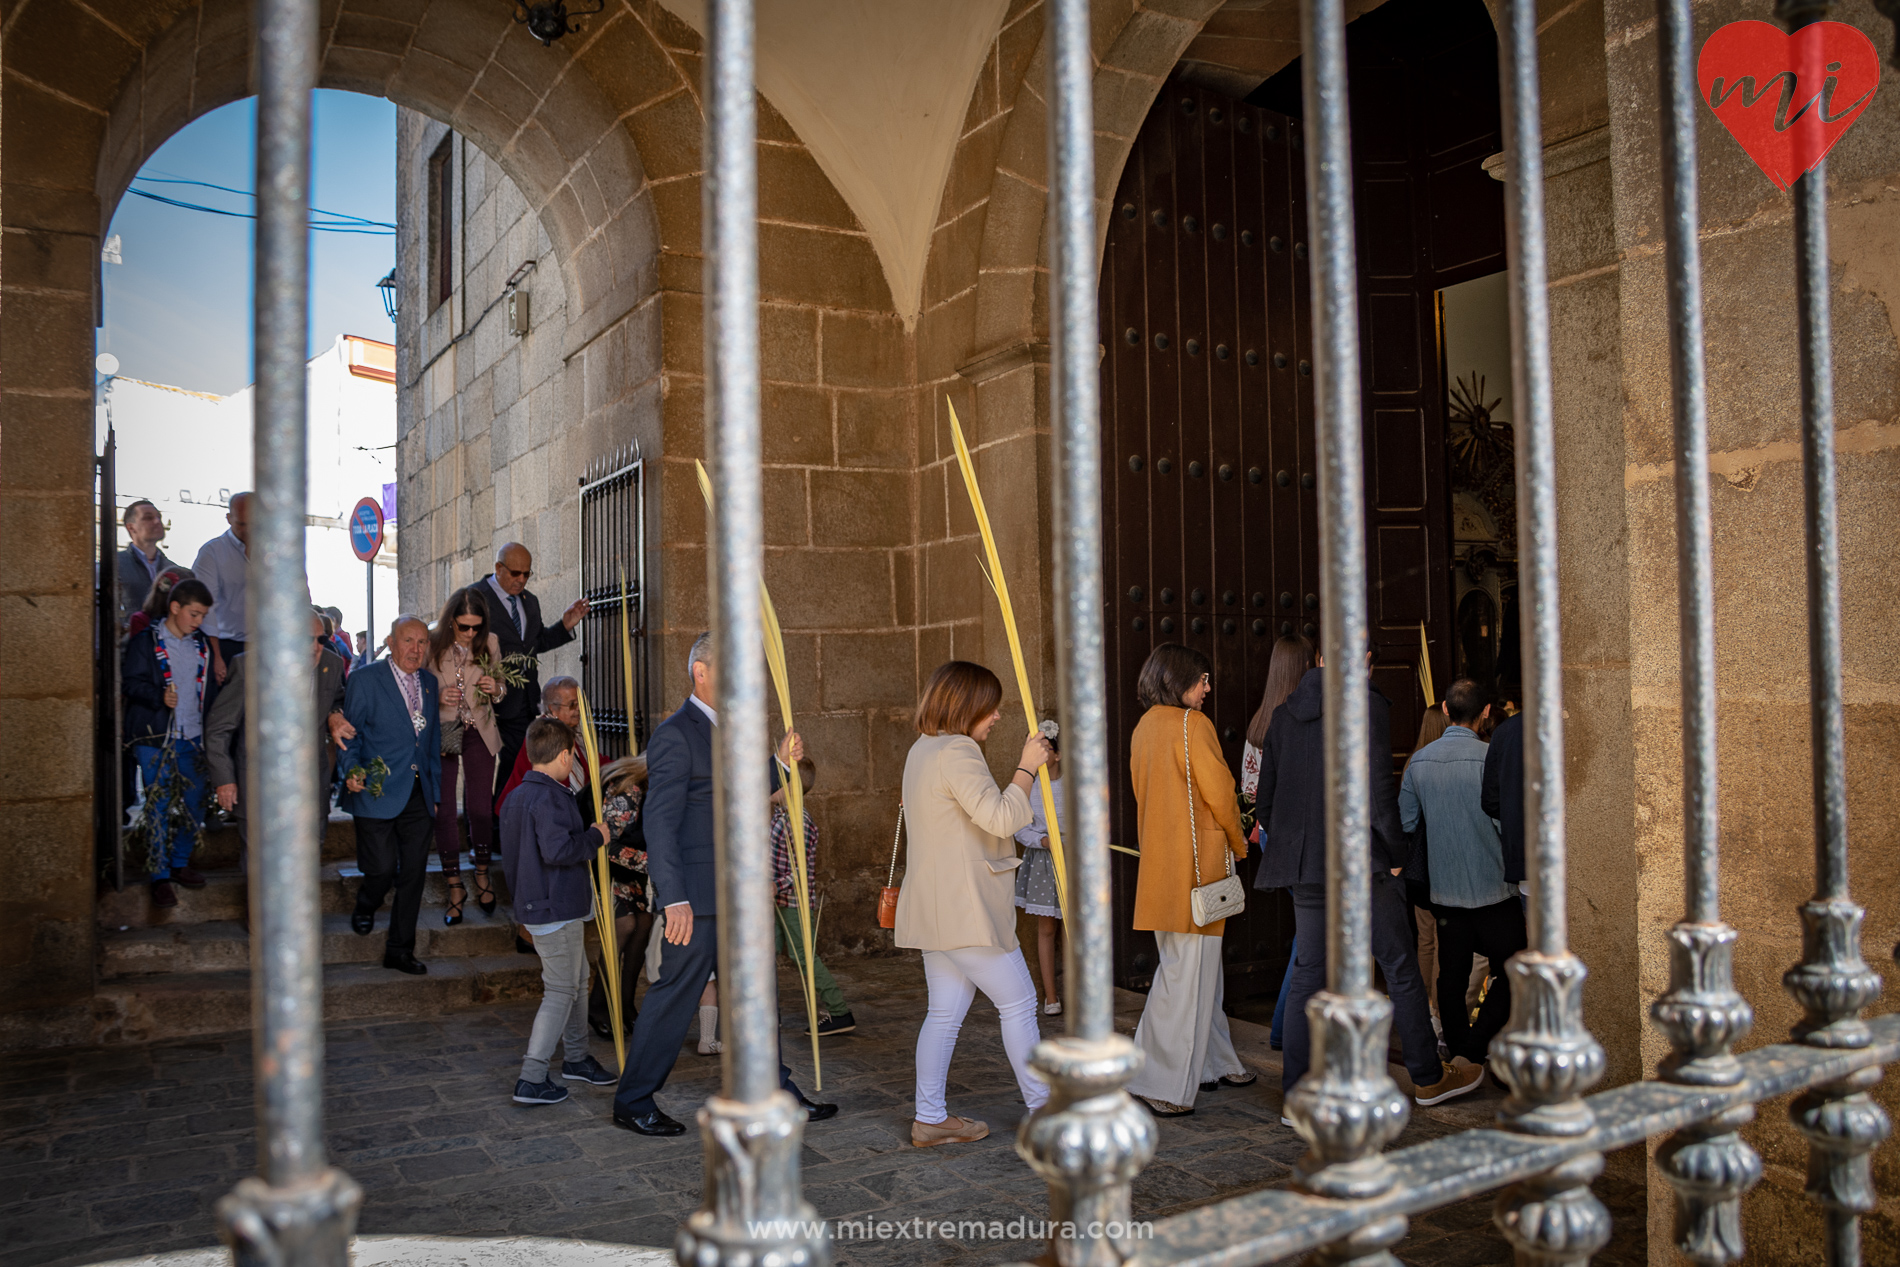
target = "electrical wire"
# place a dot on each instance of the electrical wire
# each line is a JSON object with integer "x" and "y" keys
{"x": 337, "y": 222}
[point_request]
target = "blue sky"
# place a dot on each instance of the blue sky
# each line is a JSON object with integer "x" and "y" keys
{"x": 178, "y": 310}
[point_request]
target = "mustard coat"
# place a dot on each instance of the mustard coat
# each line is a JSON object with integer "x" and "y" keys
{"x": 1159, "y": 773}
{"x": 960, "y": 866}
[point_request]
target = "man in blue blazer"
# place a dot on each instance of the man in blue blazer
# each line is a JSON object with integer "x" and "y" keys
{"x": 392, "y": 705}
{"x": 678, "y": 821}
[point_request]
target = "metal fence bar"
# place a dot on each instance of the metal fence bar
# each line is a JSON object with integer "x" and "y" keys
{"x": 1709, "y": 1165}
{"x": 1832, "y": 982}
{"x": 1544, "y": 1054}
{"x": 1090, "y": 1140}
{"x": 753, "y": 1211}
{"x": 1347, "y": 1107}
{"x": 1277, "y": 1224}
{"x": 300, "y": 1211}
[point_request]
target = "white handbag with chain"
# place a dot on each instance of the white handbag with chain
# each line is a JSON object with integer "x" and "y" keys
{"x": 1224, "y": 897}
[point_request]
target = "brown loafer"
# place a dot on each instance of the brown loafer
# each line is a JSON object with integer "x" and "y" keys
{"x": 163, "y": 894}
{"x": 190, "y": 877}
{"x": 952, "y": 1130}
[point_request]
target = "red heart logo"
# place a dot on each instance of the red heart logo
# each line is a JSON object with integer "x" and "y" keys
{"x": 1788, "y": 97}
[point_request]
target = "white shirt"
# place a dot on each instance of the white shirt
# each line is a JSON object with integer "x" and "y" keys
{"x": 503, "y": 597}
{"x": 220, "y": 565}
{"x": 405, "y": 684}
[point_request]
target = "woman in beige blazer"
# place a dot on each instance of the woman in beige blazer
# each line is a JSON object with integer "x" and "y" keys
{"x": 459, "y": 646}
{"x": 958, "y": 903}
{"x": 1183, "y": 1030}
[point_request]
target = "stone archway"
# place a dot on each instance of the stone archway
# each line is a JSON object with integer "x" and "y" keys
{"x": 601, "y": 132}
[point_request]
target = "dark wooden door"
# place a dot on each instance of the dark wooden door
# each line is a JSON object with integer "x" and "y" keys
{"x": 1424, "y": 117}
{"x": 1210, "y": 511}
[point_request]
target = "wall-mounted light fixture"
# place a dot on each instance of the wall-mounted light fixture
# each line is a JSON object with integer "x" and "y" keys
{"x": 549, "y": 20}
{"x": 388, "y": 287}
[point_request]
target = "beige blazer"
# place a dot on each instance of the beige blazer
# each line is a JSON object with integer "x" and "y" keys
{"x": 481, "y": 716}
{"x": 960, "y": 869}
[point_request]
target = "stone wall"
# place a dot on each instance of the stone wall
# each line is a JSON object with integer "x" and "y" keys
{"x": 1767, "y": 825}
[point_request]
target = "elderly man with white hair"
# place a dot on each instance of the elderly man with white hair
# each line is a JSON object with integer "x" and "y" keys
{"x": 392, "y": 707}
{"x": 514, "y": 616}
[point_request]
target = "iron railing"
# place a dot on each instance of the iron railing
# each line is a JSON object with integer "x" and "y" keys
{"x": 613, "y": 581}
{"x": 1350, "y": 1199}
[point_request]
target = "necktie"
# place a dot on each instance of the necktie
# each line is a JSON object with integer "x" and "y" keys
{"x": 514, "y": 609}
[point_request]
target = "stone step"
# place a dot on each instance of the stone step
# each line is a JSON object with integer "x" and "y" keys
{"x": 220, "y": 849}
{"x": 179, "y": 1004}
{"x": 224, "y": 946}
{"x": 224, "y": 896}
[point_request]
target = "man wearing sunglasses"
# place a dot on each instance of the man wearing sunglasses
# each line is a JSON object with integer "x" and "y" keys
{"x": 515, "y": 618}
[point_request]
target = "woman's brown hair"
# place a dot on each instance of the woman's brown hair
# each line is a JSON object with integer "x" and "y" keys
{"x": 467, "y": 601}
{"x": 1172, "y": 671}
{"x": 1430, "y": 727}
{"x": 957, "y": 696}
{"x": 1292, "y": 657}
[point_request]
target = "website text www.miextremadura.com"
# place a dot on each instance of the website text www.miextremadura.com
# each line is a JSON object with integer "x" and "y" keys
{"x": 1017, "y": 1229}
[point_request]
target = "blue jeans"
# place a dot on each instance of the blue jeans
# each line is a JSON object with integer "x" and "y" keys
{"x": 1278, "y": 1037}
{"x": 191, "y": 768}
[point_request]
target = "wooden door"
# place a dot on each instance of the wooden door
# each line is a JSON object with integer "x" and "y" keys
{"x": 1208, "y": 479}
{"x": 1210, "y": 504}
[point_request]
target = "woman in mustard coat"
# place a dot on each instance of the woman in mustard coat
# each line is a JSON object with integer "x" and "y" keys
{"x": 1183, "y": 1030}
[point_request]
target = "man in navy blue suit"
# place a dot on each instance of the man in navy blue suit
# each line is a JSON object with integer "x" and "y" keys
{"x": 392, "y": 704}
{"x": 678, "y": 821}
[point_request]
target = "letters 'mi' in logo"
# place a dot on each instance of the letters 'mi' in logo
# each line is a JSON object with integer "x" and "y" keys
{"x": 1809, "y": 72}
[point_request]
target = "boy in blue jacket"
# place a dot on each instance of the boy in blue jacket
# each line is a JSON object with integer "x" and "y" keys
{"x": 546, "y": 848}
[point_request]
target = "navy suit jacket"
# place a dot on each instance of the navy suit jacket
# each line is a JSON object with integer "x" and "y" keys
{"x": 1502, "y": 793}
{"x": 678, "y": 812}
{"x": 523, "y": 705}
{"x": 373, "y": 703}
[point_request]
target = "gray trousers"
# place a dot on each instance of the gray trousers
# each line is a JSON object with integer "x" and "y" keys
{"x": 1183, "y": 1029}
{"x": 563, "y": 1014}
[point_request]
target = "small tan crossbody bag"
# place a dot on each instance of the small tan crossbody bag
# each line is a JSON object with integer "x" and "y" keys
{"x": 1225, "y": 897}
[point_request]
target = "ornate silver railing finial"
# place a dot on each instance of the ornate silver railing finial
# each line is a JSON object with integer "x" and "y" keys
{"x": 1091, "y": 1139}
{"x": 1708, "y": 1164}
{"x": 1832, "y": 982}
{"x": 301, "y": 1211}
{"x": 1545, "y": 1055}
{"x": 1347, "y": 1107}
{"x": 754, "y": 1211}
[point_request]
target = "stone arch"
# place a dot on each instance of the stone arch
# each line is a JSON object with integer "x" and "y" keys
{"x": 568, "y": 123}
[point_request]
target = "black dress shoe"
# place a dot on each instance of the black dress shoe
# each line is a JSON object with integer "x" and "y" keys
{"x": 404, "y": 961}
{"x": 654, "y": 1123}
{"x": 362, "y": 922}
{"x": 815, "y": 1112}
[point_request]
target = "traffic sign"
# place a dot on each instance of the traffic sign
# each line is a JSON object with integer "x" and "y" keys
{"x": 366, "y": 528}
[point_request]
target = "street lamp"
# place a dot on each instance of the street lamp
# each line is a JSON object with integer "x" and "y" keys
{"x": 388, "y": 287}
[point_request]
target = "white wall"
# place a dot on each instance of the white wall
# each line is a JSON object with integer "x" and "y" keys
{"x": 188, "y": 451}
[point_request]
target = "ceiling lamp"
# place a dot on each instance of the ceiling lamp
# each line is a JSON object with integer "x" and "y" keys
{"x": 549, "y": 20}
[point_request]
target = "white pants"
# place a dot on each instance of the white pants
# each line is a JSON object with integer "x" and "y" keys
{"x": 1183, "y": 1030}
{"x": 955, "y": 976}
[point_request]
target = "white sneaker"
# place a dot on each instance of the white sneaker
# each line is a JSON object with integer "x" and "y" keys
{"x": 1052, "y": 1009}
{"x": 711, "y": 1047}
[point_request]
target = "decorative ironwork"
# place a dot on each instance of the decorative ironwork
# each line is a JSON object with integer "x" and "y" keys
{"x": 301, "y": 1211}
{"x": 612, "y": 553}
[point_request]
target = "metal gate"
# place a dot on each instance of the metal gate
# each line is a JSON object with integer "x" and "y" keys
{"x": 613, "y": 581}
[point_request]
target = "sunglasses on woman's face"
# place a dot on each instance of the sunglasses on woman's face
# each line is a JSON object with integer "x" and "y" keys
{"x": 465, "y": 627}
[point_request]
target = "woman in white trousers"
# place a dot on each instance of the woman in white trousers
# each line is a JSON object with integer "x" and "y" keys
{"x": 958, "y": 902}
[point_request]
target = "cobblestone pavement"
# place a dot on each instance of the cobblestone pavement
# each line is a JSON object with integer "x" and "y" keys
{"x": 109, "y": 1152}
